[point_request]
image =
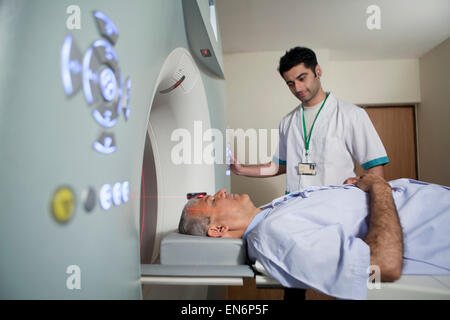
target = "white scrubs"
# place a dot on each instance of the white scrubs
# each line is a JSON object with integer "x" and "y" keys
{"x": 342, "y": 134}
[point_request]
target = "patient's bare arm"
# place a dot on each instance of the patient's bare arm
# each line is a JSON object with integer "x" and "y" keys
{"x": 384, "y": 236}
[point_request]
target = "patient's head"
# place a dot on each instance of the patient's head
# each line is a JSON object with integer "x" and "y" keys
{"x": 193, "y": 224}
{"x": 221, "y": 215}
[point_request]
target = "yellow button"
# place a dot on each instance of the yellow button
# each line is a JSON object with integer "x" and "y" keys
{"x": 63, "y": 204}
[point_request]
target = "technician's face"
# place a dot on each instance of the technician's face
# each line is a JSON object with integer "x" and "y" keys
{"x": 302, "y": 82}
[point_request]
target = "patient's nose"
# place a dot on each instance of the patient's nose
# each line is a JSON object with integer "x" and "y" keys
{"x": 221, "y": 193}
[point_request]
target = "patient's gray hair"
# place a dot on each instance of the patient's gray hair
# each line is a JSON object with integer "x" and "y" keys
{"x": 195, "y": 225}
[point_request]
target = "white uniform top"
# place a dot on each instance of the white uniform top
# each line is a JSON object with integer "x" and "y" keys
{"x": 342, "y": 134}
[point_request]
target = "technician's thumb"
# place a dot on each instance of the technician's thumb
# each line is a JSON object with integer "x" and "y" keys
{"x": 351, "y": 180}
{"x": 233, "y": 159}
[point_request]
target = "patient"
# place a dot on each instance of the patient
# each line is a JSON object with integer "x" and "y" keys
{"x": 325, "y": 238}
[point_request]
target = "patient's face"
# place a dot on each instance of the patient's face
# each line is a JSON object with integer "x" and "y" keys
{"x": 222, "y": 205}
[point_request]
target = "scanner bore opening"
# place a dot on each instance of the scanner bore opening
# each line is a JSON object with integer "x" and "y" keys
{"x": 164, "y": 184}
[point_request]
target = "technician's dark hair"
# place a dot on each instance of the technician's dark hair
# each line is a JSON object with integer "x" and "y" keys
{"x": 295, "y": 56}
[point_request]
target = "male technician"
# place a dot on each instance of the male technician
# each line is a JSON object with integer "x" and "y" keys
{"x": 320, "y": 140}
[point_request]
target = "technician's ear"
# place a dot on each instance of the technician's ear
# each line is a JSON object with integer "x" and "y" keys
{"x": 217, "y": 231}
{"x": 318, "y": 71}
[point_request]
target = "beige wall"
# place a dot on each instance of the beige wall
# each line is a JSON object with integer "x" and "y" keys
{"x": 257, "y": 97}
{"x": 433, "y": 116}
{"x": 376, "y": 82}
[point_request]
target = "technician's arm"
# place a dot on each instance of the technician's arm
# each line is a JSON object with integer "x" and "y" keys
{"x": 385, "y": 236}
{"x": 378, "y": 170}
{"x": 260, "y": 170}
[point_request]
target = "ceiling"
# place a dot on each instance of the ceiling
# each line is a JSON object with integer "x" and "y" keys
{"x": 409, "y": 28}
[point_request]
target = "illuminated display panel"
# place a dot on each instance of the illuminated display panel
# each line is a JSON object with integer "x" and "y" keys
{"x": 97, "y": 73}
{"x": 114, "y": 195}
{"x": 212, "y": 18}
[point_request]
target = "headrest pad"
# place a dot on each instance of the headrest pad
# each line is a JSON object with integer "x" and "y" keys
{"x": 181, "y": 249}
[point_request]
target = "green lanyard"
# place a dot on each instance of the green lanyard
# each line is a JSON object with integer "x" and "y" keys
{"x": 306, "y": 137}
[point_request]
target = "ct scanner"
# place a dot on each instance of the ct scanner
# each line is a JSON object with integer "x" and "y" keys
{"x": 94, "y": 101}
{"x": 90, "y": 96}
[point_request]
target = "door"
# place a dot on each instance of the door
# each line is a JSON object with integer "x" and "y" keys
{"x": 397, "y": 130}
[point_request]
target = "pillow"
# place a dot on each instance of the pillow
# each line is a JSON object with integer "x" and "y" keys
{"x": 181, "y": 249}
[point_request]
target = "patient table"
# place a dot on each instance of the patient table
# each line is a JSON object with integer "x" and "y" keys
{"x": 192, "y": 260}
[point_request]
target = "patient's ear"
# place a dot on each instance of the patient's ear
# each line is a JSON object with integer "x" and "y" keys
{"x": 217, "y": 231}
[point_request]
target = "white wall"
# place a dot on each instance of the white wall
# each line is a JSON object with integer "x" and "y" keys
{"x": 375, "y": 82}
{"x": 257, "y": 97}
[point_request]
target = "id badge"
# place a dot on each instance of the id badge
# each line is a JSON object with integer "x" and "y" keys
{"x": 307, "y": 169}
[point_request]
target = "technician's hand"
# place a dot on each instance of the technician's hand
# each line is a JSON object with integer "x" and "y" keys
{"x": 235, "y": 166}
{"x": 351, "y": 180}
{"x": 367, "y": 182}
